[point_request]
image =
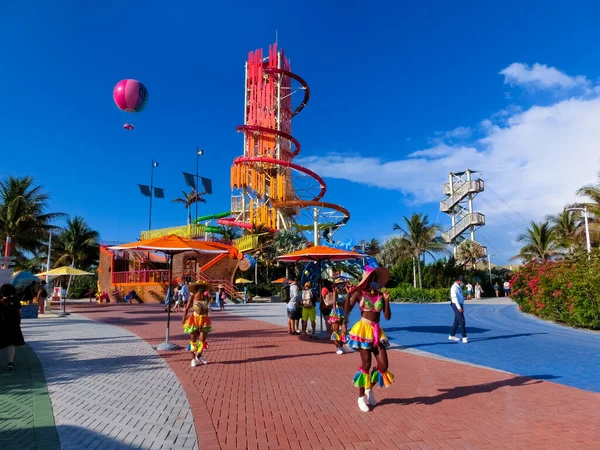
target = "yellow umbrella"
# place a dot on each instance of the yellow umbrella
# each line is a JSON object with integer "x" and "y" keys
{"x": 65, "y": 270}
{"x": 243, "y": 281}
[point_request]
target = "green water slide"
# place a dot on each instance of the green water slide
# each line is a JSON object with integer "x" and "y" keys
{"x": 212, "y": 228}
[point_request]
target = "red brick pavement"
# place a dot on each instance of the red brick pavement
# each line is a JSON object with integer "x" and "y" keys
{"x": 265, "y": 389}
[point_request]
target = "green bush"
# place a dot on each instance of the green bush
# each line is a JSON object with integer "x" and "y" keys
{"x": 81, "y": 285}
{"x": 566, "y": 291}
{"x": 409, "y": 294}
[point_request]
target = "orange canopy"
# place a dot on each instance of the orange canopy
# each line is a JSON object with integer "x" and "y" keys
{"x": 319, "y": 253}
{"x": 173, "y": 244}
{"x": 281, "y": 280}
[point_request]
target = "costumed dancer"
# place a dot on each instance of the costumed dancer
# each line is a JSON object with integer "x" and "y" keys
{"x": 198, "y": 324}
{"x": 367, "y": 336}
{"x": 337, "y": 322}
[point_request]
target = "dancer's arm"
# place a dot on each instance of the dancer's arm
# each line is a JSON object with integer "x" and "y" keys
{"x": 186, "y": 309}
{"x": 349, "y": 304}
{"x": 387, "y": 311}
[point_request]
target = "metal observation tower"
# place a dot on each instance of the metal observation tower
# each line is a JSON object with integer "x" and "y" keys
{"x": 460, "y": 192}
{"x": 270, "y": 191}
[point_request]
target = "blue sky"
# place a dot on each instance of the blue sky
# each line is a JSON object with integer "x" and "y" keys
{"x": 402, "y": 93}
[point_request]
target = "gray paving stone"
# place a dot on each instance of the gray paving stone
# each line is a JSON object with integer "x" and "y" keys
{"x": 108, "y": 388}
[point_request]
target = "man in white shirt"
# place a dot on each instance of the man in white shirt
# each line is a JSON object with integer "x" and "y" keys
{"x": 457, "y": 300}
{"x": 506, "y": 288}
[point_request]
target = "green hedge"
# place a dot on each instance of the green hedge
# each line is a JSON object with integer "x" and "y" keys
{"x": 409, "y": 294}
{"x": 566, "y": 291}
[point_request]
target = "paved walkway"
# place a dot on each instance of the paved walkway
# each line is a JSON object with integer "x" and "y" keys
{"x": 26, "y": 420}
{"x": 266, "y": 389}
{"x": 109, "y": 388}
{"x": 500, "y": 337}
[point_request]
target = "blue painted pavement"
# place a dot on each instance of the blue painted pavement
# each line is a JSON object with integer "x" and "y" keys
{"x": 500, "y": 337}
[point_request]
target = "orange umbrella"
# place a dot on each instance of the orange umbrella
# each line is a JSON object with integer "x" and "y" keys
{"x": 171, "y": 245}
{"x": 319, "y": 253}
{"x": 281, "y": 281}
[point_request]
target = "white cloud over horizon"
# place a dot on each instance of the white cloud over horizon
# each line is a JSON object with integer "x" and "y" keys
{"x": 534, "y": 159}
{"x": 540, "y": 76}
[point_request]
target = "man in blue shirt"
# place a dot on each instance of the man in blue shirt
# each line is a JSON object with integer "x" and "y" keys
{"x": 457, "y": 300}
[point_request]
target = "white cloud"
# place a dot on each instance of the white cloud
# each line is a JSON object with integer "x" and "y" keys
{"x": 540, "y": 76}
{"x": 534, "y": 161}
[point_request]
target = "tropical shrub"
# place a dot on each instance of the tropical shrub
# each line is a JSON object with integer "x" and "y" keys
{"x": 566, "y": 291}
{"x": 407, "y": 293}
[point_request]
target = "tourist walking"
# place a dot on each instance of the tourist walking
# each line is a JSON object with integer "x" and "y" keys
{"x": 294, "y": 309}
{"x": 338, "y": 322}
{"x": 367, "y": 336}
{"x": 506, "y": 288}
{"x": 478, "y": 290}
{"x": 198, "y": 325}
{"x": 327, "y": 303}
{"x": 308, "y": 309}
{"x": 457, "y": 301}
{"x": 469, "y": 290}
{"x": 10, "y": 323}
{"x": 496, "y": 288}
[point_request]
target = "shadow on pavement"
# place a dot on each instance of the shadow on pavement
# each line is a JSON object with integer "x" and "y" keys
{"x": 70, "y": 436}
{"x": 433, "y": 329}
{"x": 465, "y": 391}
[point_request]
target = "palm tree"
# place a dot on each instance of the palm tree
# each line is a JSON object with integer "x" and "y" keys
{"x": 592, "y": 192}
{"x": 230, "y": 233}
{"x": 421, "y": 238}
{"x": 469, "y": 252}
{"x": 190, "y": 199}
{"x": 24, "y": 222}
{"x": 77, "y": 245}
{"x": 540, "y": 241}
{"x": 567, "y": 227}
{"x": 393, "y": 251}
{"x": 288, "y": 241}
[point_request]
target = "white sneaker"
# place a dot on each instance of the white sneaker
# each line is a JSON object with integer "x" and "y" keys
{"x": 202, "y": 360}
{"x": 453, "y": 338}
{"x": 339, "y": 351}
{"x": 362, "y": 404}
{"x": 194, "y": 362}
{"x": 465, "y": 340}
{"x": 370, "y": 397}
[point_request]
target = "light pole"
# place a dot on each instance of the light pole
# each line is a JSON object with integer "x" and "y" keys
{"x": 199, "y": 153}
{"x": 587, "y": 228}
{"x": 154, "y": 164}
{"x": 490, "y": 268}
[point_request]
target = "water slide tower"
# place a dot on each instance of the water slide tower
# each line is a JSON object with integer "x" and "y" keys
{"x": 461, "y": 189}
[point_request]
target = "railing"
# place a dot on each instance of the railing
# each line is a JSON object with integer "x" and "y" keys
{"x": 460, "y": 192}
{"x": 141, "y": 276}
{"x": 227, "y": 286}
{"x": 186, "y": 231}
{"x": 246, "y": 243}
{"x": 471, "y": 219}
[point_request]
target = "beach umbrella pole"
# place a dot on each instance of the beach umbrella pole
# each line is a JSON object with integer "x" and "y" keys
{"x": 169, "y": 346}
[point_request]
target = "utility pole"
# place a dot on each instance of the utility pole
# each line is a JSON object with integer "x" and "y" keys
{"x": 198, "y": 154}
{"x": 154, "y": 164}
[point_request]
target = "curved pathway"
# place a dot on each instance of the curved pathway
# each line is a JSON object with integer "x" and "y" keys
{"x": 266, "y": 389}
{"x": 503, "y": 338}
{"x": 109, "y": 388}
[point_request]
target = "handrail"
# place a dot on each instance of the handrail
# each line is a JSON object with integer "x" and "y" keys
{"x": 470, "y": 219}
{"x": 186, "y": 231}
{"x": 466, "y": 188}
{"x": 140, "y": 276}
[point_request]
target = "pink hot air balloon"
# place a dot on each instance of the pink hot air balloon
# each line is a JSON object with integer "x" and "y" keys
{"x": 130, "y": 95}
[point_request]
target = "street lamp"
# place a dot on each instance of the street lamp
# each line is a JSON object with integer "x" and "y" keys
{"x": 490, "y": 267}
{"x": 199, "y": 153}
{"x": 587, "y": 229}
